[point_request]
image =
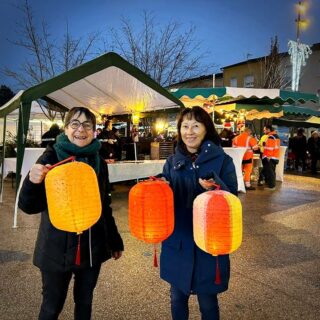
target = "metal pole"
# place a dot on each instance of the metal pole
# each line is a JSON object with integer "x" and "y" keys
{"x": 3, "y": 155}
{"x": 135, "y": 151}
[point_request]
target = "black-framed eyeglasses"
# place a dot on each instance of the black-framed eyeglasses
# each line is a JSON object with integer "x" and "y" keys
{"x": 75, "y": 124}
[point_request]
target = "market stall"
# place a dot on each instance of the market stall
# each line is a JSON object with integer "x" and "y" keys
{"x": 106, "y": 85}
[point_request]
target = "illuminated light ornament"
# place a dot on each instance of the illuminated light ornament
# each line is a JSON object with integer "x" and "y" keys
{"x": 299, "y": 53}
{"x": 151, "y": 212}
{"x": 217, "y": 224}
{"x": 73, "y": 198}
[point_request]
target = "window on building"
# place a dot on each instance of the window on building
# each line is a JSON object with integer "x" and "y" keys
{"x": 249, "y": 81}
{"x": 233, "y": 82}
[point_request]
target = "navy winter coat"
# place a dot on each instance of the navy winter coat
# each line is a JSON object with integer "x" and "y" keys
{"x": 183, "y": 264}
{"x": 55, "y": 250}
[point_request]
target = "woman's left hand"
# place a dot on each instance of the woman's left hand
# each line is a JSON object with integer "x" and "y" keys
{"x": 116, "y": 255}
{"x": 207, "y": 184}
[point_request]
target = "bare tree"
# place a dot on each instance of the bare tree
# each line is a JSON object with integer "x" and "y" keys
{"x": 46, "y": 57}
{"x": 166, "y": 54}
{"x": 273, "y": 68}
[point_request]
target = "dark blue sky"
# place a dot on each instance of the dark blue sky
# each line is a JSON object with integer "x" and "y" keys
{"x": 228, "y": 29}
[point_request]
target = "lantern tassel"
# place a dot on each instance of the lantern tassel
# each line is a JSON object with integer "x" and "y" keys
{"x": 155, "y": 259}
{"x": 218, "y": 278}
{"x": 78, "y": 252}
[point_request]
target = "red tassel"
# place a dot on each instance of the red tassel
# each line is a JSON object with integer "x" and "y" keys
{"x": 218, "y": 278}
{"x": 78, "y": 252}
{"x": 155, "y": 259}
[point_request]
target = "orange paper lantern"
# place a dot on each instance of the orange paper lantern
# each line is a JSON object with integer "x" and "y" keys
{"x": 217, "y": 222}
{"x": 151, "y": 213}
{"x": 73, "y": 197}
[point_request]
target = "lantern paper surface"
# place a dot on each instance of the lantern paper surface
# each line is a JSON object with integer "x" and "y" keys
{"x": 151, "y": 214}
{"x": 217, "y": 222}
{"x": 73, "y": 197}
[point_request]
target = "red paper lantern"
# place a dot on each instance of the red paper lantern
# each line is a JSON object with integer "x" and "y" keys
{"x": 151, "y": 211}
{"x": 217, "y": 222}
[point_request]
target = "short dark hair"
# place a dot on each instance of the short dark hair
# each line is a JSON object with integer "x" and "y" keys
{"x": 269, "y": 127}
{"x": 202, "y": 116}
{"x": 81, "y": 110}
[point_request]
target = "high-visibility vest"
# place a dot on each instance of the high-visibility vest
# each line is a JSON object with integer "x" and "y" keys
{"x": 246, "y": 141}
{"x": 271, "y": 149}
{"x": 262, "y": 141}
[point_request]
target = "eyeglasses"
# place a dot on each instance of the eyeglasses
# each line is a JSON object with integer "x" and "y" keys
{"x": 75, "y": 124}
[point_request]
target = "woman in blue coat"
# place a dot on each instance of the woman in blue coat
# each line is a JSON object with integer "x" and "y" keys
{"x": 198, "y": 161}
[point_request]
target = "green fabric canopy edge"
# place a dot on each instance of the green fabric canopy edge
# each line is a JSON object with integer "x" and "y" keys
{"x": 285, "y": 96}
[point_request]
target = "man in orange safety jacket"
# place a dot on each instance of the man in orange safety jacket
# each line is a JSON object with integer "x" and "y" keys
{"x": 246, "y": 140}
{"x": 270, "y": 156}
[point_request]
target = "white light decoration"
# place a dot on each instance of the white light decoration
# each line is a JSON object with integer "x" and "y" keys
{"x": 299, "y": 53}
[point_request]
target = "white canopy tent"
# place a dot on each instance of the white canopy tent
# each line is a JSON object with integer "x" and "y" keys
{"x": 106, "y": 85}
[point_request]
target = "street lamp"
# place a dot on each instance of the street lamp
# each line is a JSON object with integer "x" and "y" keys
{"x": 301, "y": 22}
{"x": 299, "y": 52}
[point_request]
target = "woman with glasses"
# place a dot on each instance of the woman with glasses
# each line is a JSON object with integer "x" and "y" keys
{"x": 199, "y": 161}
{"x": 55, "y": 250}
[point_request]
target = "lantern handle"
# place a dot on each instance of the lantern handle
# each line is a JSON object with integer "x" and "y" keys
{"x": 153, "y": 178}
{"x": 217, "y": 186}
{"x": 72, "y": 158}
{"x": 212, "y": 185}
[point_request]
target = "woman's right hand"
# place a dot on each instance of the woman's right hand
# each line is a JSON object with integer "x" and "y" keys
{"x": 38, "y": 172}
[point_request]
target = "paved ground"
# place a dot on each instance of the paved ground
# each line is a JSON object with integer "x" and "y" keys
{"x": 275, "y": 273}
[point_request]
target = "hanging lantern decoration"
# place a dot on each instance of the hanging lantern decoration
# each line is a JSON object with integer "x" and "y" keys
{"x": 73, "y": 198}
{"x": 151, "y": 211}
{"x": 217, "y": 224}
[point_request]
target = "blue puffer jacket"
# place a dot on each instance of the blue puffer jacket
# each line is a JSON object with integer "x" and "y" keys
{"x": 183, "y": 264}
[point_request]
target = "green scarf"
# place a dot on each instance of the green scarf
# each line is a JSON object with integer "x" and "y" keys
{"x": 88, "y": 154}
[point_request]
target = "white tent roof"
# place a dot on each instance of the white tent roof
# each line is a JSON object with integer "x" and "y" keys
{"x": 106, "y": 85}
{"x": 111, "y": 91}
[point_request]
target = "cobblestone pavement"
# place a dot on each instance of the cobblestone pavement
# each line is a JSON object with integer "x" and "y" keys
{"x": 275, "y": 273}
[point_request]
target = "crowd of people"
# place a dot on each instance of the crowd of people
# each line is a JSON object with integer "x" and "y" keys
{"x": 304, "y": 152}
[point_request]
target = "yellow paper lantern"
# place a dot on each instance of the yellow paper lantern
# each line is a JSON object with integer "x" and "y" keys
{"x": 73, "y": 197}
{"x": 217, "y": 222}
{"x": 151, "y": 213}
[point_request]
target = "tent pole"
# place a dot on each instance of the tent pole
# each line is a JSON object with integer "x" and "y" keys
{"x": 3, "y": 155}
{"x": 135, "y": 151}
{"x": 24, "y": 116}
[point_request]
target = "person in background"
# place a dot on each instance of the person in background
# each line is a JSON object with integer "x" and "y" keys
{"x": 50, "y": 136}
{"x": 108, "y": 141}
{"x": 270, "y": 156}
{"x": 198, "y": 161}
{"x": 98, "y": 132}
{"x": 261, "y": 143}
{"x": 135, "y": 134}
{"x": 118, "y": 144}
{"x": 246, "y": 140}
{"x": 226, "y": 135}
{"x": 56, "y": 251}
{"x": 314, "y": 150}
{"x": 299, "y": 148}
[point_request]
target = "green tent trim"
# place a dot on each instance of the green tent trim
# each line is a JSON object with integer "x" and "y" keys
{"x": 296, "y": 110}
{"x": 248, "y": 95}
